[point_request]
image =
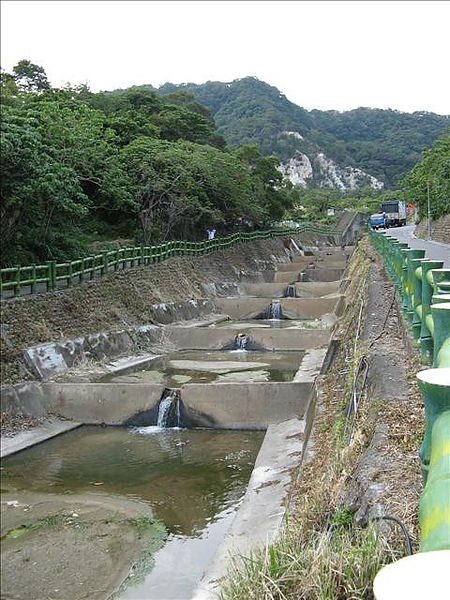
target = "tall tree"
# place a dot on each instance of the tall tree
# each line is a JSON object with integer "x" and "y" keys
{"x": 30, "y": 77}
{"x": 272, "y": 193}
{"x": 429, "y": 180}
{"x": 35, "y": 188}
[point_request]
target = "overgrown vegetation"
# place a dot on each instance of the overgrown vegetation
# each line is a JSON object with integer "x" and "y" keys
{"x": 428, "y": 183}
{"x": 336, "y": 564}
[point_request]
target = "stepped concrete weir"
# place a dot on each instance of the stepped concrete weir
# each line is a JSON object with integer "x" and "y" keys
{"x": 219, "y": 406}
{"x": 302, "y": 290}
{"x": 300, "y": 308}
{"x": 223, "y": 351}
{"x": 203, "y": 338}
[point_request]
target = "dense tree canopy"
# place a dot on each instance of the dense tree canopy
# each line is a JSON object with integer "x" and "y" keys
{"x": 429, "y": 180}
{"x": 77, "y": 167}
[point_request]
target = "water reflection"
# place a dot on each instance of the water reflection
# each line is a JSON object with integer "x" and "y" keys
{"x": 194, "y": 481}
{"x": 187, "y": 476}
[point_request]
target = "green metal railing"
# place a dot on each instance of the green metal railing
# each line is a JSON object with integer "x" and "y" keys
{"x": 423, "y": 289}
{"x": 434, "y": 507}
{"x": 17, "y": 281}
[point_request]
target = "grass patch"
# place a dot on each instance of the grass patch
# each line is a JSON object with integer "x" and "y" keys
{"x": 338, "y": 563}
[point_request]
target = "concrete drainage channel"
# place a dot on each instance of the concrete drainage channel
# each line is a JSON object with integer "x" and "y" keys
{"x": 289, "y": 316}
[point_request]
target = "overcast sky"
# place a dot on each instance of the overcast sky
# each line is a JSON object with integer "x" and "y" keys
{"x": 319, "y": 54}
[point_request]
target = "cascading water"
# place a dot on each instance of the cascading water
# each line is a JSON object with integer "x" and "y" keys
{"x": 241, "y": 341}
{"x": 302, "y": 276}
{"x": 291, "y": 291}
{"x": 169, "y": 409}
{"x": 274, "y": 311}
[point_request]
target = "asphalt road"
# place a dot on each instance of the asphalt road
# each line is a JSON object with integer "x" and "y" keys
{"x": 433, "y": 250}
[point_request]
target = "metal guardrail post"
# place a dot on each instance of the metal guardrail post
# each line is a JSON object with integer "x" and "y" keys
{"x": 416, "y": 321}
{"x": 17, "y": 290}
{"x": 410, "y": 255}
{"x": 440, "y": 313}
{"x": 51, "y": 284}
{"x": 404, "y": 278}
{"x": 398, "y": 259}
{"x": 426, "y": 338}
{"x": 82, "y": 270}
{"x": 104, "y": 268}
{"x": 434, "y": 505}
{"x": 434, "y": 386}
{"x": 33, "y": 279}
{"x": 441, "y": 281}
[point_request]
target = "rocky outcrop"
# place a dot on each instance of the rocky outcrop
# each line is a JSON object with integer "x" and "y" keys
{"x": 302, "y": 169}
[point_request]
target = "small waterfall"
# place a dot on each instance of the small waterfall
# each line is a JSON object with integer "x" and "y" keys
{"x": 241, "y": 341}
{"x": 274, "y": 311}
{"x": 290, "y": 291}
{"x": 169, "y": 409}
{"x": 298, "y": 248}
{"x": 302, "y": 276}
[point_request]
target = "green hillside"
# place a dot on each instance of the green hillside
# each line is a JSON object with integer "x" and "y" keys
{"x": 384, "y": 143}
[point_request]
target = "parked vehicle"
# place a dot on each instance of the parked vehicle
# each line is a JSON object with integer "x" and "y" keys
{"x": 395, "y": 213}
{"x": 377, "y": 221}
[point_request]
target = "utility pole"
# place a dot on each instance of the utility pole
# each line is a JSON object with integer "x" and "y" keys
{"x": 429, "y": 212}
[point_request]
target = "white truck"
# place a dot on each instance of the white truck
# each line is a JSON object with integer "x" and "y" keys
{"x": 395, "y": 211}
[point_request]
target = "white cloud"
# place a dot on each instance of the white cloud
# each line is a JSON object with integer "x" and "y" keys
{"x": 320, "y": 54}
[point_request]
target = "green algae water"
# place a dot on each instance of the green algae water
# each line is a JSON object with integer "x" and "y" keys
{"x": 216, "y": 366}
{"x": 193, "y": 480}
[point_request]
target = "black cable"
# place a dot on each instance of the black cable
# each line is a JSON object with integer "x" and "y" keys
{"x": 352, "y": 405}
{"x": 403, "y": 528}
{"x": 329, "y": 526}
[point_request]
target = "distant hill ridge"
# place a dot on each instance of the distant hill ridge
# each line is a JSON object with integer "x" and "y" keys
{"x": 345, "y": 150}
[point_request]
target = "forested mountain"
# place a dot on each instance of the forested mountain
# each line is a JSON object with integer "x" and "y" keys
{"x": 383, "y": 144}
